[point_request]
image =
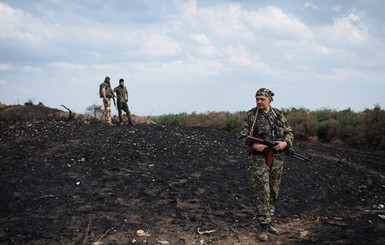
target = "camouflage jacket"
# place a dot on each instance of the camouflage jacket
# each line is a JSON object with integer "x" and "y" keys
{"x": 108, "y": 90}
{"x": 121, "y": 93}
{"x": 272, "y": 125}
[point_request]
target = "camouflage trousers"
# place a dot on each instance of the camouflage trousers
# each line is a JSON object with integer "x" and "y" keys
{"x": 107, "y": 110}
{"x": 123, "y": 106}
{"x": 266, "y": 181}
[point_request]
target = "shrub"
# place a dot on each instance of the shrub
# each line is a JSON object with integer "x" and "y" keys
{"x": 95, "y": 110}
{"x": 340, "y": 128}
{"x": 304, "y": 124}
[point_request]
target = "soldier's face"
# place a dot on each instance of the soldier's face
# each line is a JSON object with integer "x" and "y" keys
{"x": 263, "y": 102}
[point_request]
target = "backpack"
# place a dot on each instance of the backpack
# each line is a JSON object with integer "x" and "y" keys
{"x": 103, "y": 85}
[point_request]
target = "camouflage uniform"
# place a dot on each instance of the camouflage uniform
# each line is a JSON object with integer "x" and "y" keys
{"x": 122, "y": 96}
{"x": 266, "y": 180}
{"x": 107, "y": 102}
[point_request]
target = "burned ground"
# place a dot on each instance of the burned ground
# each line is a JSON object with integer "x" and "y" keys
{"x": 84, "y": 183}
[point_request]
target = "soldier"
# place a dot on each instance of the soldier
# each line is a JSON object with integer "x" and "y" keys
{"x": 266, "y": 122}
{"x": 122, "y": 95}
{"x": 106, "y": 93}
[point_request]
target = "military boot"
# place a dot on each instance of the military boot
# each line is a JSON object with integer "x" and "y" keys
{"x": 129, "y": 120}
{"x": 262, "y": 236}
{"x": 272, "y": 230}
{"x": 120, "y": 119}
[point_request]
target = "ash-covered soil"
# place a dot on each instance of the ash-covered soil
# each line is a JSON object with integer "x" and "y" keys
{"x": 90, "y": 183}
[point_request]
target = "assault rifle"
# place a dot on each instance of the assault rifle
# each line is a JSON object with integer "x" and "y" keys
{"x": 111, "y": 94}
{"x": 270, "y": 143}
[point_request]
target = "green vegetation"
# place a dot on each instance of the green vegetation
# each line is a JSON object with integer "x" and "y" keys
{"x": 362, "y": 130}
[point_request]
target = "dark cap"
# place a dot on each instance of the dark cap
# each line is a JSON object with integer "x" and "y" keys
{"x": 265, "y": 92}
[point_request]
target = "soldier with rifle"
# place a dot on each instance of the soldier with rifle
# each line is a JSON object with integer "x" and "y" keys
{"x": 267, "y": 123}
{"x": 106, "y": 93}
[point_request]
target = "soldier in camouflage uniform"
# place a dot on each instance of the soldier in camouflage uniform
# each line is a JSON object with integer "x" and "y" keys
{"x": 122, "y": 95}
{"x": 106, "y": 93}
{"x": 266, "y": 122}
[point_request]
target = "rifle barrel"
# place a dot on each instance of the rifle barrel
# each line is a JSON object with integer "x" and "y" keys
{"x": 270, "y": 143}
{"x": 298, "y": 156}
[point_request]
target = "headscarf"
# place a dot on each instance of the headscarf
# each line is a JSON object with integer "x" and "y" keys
{"x": 265, "y": 92}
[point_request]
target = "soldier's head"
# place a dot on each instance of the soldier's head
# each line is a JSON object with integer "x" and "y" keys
{"x": 107, "y": 79}
{"x": 121, "y": 82}
{"x": 263, "y": 98}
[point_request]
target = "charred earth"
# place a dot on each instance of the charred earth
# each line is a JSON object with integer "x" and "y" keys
{"x": 89, "y": 183}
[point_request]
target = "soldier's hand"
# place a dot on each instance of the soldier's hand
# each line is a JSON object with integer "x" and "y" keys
{"x": 281, "y": 145}
{"x": 258, "y": 147}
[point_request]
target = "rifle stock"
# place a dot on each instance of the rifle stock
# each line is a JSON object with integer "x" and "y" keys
{"x": 250, "y": 140}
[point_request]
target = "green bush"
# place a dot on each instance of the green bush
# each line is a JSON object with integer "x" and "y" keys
{"x": 303, "y": 123}
{"x": 363, "y": 130}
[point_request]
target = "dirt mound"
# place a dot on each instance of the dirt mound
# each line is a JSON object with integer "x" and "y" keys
{"x": 28, "y": 113}
{"x": 81, "y": 183}
{"x": 19, "y": 113}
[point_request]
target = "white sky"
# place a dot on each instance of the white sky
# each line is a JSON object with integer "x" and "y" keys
{"x": 194, "y": 56}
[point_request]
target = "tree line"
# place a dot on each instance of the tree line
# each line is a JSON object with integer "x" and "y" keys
{"x": 363, "y": 130}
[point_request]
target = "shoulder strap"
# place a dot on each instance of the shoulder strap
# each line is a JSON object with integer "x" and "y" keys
{"x": 254, "y": 122}
{"x": 277, "y": 114}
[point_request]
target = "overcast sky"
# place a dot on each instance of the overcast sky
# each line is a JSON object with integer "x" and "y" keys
{"x": 194, "y": 55}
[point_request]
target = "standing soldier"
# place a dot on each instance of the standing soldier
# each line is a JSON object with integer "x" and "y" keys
{"x": 122, "y": 95}
{"x": 106, "y": 93}
{"x": 266, "y": 122}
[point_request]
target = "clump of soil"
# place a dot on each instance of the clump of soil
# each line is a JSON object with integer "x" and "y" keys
{"x": 71, "y": 182}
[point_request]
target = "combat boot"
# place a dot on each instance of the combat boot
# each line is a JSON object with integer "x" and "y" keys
{"x": 129, "y": 120}
{"x": 272, "y": 230}
{"x": 262, "y": 236}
